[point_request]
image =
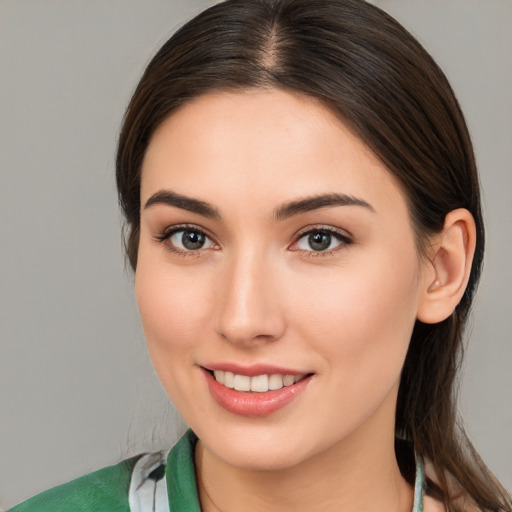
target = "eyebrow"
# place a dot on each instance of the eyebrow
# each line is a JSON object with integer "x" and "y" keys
{"x": 190, "y": 204}
{"x": 289, "y": 209}
{"x": 316, "y": 202}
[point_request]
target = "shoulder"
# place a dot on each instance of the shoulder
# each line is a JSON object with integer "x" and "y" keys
{"x": 107, "y": 489}
{"x": 461, "y": 502}
{"x": 459, "y": 497}
{"x": 432, "y": 505}
{"x": 138, "y": 484}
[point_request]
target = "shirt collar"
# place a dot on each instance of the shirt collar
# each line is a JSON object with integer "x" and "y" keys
{"x": 182, "y": 486}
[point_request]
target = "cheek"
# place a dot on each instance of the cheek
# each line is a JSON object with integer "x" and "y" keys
{"x": 173, "y": 308}
{"x": 174, "y": 313}
{"x": 362, "y": 317}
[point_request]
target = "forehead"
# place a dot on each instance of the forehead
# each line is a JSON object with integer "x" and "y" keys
{"x": 266, "y": 145}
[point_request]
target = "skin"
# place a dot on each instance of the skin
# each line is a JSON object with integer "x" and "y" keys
{"x": 258, "y": 293}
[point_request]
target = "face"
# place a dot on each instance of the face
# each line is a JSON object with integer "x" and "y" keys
{"x": 277, "y": 258}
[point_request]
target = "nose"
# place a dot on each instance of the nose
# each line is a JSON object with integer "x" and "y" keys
{"x": 248, "y": 306}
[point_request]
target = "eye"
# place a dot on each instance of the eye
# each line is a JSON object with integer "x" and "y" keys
{"x": 321, "y": 240}
{"x": 186, "y": 240}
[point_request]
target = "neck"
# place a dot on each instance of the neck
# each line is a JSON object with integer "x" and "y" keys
{"x": 358, "y": 473}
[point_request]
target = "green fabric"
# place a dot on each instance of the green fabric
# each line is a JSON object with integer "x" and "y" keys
{"x": 105, "y": 490}
{"x": 181, "y": 476}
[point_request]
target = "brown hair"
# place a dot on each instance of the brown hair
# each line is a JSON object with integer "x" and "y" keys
{"x": 380, "y": 81}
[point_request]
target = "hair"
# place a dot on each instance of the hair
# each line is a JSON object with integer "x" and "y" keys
{"x": 369, "y": 71}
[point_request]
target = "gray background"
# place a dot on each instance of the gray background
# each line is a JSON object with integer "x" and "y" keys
{"x": 77, "y": 390}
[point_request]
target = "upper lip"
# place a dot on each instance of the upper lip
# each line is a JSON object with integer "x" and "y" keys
{"x": 254, "y": 369}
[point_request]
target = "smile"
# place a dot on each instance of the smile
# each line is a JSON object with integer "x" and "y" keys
{"x": 257, "y": 383}
{"x": 255, "y": 395}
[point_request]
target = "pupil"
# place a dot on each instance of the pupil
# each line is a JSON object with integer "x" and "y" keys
{"x": 319, "y": 241}
{"x": 192, "y": 240}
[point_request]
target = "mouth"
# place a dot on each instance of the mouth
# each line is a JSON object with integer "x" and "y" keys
{"x": 256, "y": 395}
{"x": 257, "y": 383}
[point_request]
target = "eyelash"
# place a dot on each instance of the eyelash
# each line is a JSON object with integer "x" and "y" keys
{"x": 343, "y": 239}
{"x": 166, "y": 235}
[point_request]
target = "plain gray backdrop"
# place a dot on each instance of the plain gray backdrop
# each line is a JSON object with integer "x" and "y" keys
{"x": 77, "y": 390}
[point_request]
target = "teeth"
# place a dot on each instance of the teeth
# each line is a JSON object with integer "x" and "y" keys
{"x": 288, "y": 380}
{"x": 229, "y": 379}
{"x": 242, "y": 383}
{"x": 275, "y": 382}
{"x": 258, "y": 383}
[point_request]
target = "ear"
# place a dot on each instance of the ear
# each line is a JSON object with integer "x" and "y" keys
{"x": 447, "y": 274}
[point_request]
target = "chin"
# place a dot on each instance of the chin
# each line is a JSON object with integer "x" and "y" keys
{"x": 266, "y": 448}
{"x": 253, "y": 458}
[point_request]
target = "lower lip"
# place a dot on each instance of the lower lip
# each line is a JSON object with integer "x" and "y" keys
{"x": 253, "y": 404}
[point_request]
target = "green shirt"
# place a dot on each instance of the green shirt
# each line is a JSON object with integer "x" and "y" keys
{"x": 159, "y": 482}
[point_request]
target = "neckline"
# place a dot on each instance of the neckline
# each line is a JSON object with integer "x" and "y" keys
{"x": 182, "y": 485}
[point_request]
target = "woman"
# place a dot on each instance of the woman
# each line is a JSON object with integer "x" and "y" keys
{"x": 304, "y": 223}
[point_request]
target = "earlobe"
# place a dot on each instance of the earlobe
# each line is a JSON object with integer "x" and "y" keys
{"x": 450, "y": 267}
